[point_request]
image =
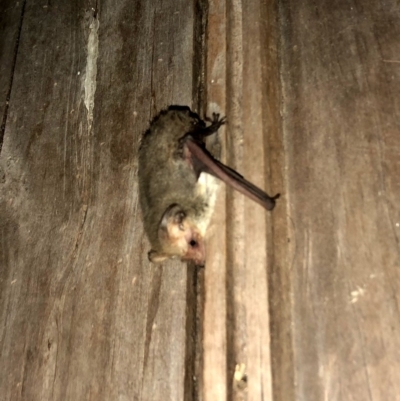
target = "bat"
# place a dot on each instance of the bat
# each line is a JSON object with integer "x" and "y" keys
{"x": 178, "y": 183}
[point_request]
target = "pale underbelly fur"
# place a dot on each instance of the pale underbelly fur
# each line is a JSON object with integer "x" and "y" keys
{"x": 207, "y": 186}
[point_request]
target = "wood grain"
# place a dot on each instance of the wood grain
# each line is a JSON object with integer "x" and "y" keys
{"x": 329, "y": 114}
{"x": 11, "y": 16}
{"x": 236, "y": 326}
{"x": 83, "y": 314}
{"x": 340, "y": 81}
{"x": 297, "y": 304}
{"x": 214, "y": 347}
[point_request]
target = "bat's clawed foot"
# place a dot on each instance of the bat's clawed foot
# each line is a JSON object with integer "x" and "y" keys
{"x": 216, "y": 123}
{"x": 200, "y": 132}
{"x": 215, "y": 120}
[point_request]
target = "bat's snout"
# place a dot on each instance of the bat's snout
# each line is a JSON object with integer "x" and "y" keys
{"x": 196, "y": 251}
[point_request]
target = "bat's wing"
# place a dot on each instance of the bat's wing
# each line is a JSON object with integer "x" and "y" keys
{"x": 203, "y": 161}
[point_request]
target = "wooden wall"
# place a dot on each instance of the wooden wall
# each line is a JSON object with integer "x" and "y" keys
{"x": 340, "y": 92}
{"x": 299, "y": 304}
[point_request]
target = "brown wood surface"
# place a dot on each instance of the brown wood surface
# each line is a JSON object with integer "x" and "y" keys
{"x": 299, "y": 304}
{"x": 324, "y": 78}
{"x": 237, "y": 361}
{"x": 11, "y": 16}
{"x": 83, "y": 313}
{"x": 340, "y": 71}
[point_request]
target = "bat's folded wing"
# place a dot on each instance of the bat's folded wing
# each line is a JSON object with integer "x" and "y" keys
{"x": 203, "y": 161}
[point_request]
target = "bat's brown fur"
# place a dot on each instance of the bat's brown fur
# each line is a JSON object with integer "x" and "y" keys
{"x": 176, "y": 193}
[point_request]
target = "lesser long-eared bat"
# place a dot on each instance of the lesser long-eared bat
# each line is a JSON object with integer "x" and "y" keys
{"x": 178, "y": 179}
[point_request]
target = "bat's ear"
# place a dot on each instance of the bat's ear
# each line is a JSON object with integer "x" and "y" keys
{"x": 171, "y": 222}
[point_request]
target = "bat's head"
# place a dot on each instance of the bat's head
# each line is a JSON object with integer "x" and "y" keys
{"x": 179, "y": 236}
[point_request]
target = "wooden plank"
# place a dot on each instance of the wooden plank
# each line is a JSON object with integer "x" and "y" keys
{"x": 340, "y": 74}
{"x": 280, "y": 248}
{"x": 237, "y": 362}
{"x": 213, "y": 377}
{"x": 83, "y": 314}
{"x": 11, "y": 17}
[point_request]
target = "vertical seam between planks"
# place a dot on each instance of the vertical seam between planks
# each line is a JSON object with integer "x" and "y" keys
{"x": 4, "y": 121}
